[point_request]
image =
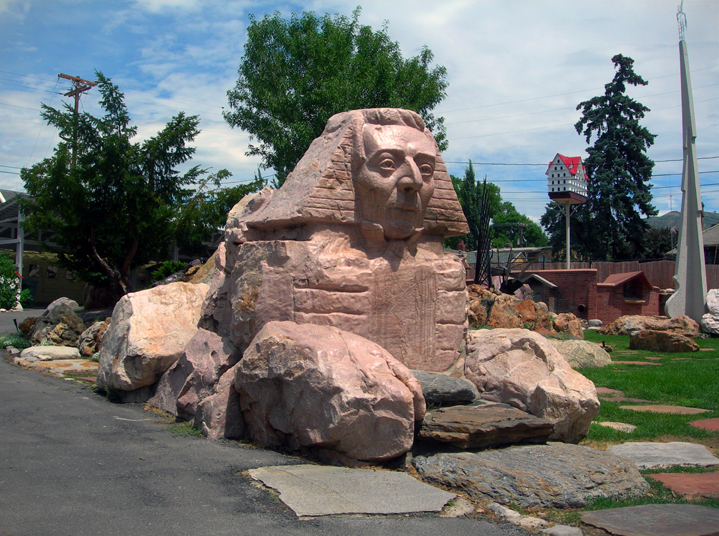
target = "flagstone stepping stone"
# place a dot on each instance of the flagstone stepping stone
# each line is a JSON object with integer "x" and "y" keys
{"x": 707, "y": 424}
{"x": 619, "y": 426}
{"x": 317, "y": 490}
{"x": 625, "y": 399}
{"x": 647, "y": 455}
{"x": 663, "y": 408}
{"x": 690, "y": 484}
{"x": 59, "y": 366}
{"x": 640, "y": 363}
{"x": 682, "y": 359}
{"x": 706, "y": 349}
{"x": 609, "y": 392}
{"x": 555, "y": 475}
{"x": 656, "y": 520}
{"x": 654, "y": 358}
{"x": 484, "y": 426}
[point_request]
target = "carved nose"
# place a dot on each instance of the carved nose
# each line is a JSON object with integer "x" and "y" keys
{"x": 411, "y": 180}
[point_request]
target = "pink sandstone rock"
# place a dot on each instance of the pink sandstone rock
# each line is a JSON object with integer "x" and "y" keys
{"x": 523, "y": 369}
{"x": 192, "y": 378}
{"x": 567, "y": 322}
{"x": 219, "y": 415}
{"x": 148, "y": 333}
{"x": 628, "y": 325}
{"x": 321, "y": 387}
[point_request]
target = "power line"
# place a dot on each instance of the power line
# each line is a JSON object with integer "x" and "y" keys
{"x": 28, "y": 76}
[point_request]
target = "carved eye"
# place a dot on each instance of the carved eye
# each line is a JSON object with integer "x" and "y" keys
{"x": 426, "y": 169}
{"x": 387, "y": 164}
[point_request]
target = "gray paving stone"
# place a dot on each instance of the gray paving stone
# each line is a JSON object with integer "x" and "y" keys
{"x": 647, "y": 455}
{"x": 316, "y": 490}
{"x": 657, "y": 520}
{"x": 562, "y": 530}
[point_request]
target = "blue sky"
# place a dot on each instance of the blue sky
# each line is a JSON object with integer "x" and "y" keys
{"x": 516, "y": 68}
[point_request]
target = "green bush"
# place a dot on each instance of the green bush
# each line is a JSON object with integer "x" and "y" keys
{"x": 9, "y": 282}
{"x": 15, "y": 340}
{"x": 166, "y": 269}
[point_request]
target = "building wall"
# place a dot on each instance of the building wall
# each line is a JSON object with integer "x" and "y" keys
{"x": 576, "y": 289}
{"x": 48, "y": 288}
{"x": 611, "y": 304}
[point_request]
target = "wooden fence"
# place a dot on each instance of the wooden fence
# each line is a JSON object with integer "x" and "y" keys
{"x": 659, "y": 273}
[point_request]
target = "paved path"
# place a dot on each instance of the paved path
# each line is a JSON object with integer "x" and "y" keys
{"x": 71, "y": 463}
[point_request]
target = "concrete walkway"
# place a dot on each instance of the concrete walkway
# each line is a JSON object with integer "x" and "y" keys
{"x": 71, "y": 463}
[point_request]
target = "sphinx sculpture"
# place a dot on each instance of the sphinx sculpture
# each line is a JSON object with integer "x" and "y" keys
{"x": 353, "y": 239}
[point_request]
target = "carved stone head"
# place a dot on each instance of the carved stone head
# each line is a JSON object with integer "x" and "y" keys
{"x": 379, "y": 169}
{"x": 393, "y": 165}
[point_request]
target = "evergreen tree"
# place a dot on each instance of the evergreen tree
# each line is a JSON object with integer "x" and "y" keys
{"x": 295, "y": 74}
{"x": 121, "y": 204}
{"x": 611, "y": 225}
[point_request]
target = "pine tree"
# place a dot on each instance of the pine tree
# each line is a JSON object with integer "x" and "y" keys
{"x": 611, "y": 225}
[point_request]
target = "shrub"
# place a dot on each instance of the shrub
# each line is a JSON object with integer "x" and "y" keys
{"x": 10, "y": 287}
{"x": 166, "y": 269}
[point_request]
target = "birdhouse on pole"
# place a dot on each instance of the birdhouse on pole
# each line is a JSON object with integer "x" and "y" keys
{"x": 567, "y": 185}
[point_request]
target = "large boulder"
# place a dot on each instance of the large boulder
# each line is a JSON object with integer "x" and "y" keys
{"x": 192, "y": 378}
{"x": 58, "y": 325}
{"x": 324, "y": 388}
{"x": 628, "y": 325}
{"x": 90, "y": 341}
{"x": 148, "y": 333}
{"x": 568, "y": 323}
{"x": 220, "y": 415}
{"x": 582, "y": 354}
{"x": 522, "y": 368}
{"x": 661, "y": 341}
{"x": 710, "y": 321}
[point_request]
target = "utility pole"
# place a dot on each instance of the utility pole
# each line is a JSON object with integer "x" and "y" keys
{"x": 79, "y": 86}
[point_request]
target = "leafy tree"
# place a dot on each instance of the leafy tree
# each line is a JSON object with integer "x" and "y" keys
{"x": 659, "y": 242}
{"x": 295, "y": 74}
{"x": 508, "y": 225}
{"x": 206, "y": 209}
{"x": 610, "y": 224}
{"x": 118, "y": 206}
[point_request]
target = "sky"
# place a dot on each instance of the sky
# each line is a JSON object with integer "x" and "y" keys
{"x": 517, "y": 69}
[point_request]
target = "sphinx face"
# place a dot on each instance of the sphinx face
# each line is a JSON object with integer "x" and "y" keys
{"x": 396, "y": 179}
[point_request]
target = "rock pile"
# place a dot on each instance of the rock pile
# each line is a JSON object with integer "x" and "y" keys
{"x": 496, "y": 310}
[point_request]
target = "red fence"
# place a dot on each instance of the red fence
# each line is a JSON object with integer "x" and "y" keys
{"x": 659, "y": 273}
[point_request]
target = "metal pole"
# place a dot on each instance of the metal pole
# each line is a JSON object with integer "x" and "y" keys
{"x": 569, "y": 245}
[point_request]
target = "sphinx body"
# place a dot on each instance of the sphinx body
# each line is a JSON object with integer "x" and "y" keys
{"x": 353, "y": 239}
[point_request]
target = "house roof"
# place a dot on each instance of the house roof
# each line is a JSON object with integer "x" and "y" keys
{"x": 540, "y": 279}
{"x": 615, "y": 280}
{"x": 572, "y": 164}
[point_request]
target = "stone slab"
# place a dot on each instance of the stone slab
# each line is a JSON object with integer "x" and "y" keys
{"x": 640, "y": 363}
{"x": 316, "y": 490}
{"x": 619, "y": 426}
{"x": 707, "y": 424}
{"x": 59, "y": 366}
{"x": 690, "y": 484}
{"x": 556, "y": 475}
{"x": 485, "y": 426}
{"x": 657, "y": 520}
{"x": 664, "y": 408}
{"x": 49, "y": 353}
{"x": 647, "y": 455}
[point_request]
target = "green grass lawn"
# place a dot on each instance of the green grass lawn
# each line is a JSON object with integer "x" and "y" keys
{"x": 683, "y": 379}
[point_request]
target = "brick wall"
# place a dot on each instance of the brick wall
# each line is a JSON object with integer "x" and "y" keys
{"x": 611, "y": 304}
{"x": 576, "y": 289}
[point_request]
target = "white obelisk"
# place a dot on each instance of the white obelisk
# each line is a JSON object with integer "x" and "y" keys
{"x": 690, "y": 279}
